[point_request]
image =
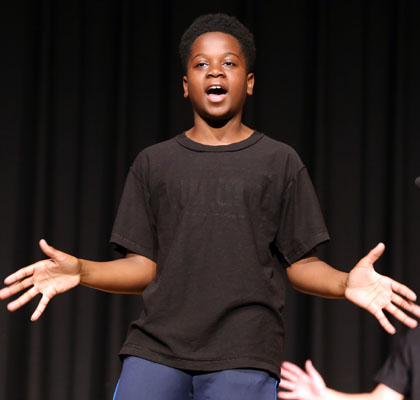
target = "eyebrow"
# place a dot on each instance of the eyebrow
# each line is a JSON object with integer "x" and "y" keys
{"x": 225, "y": 54}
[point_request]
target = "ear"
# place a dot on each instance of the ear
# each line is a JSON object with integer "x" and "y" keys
{"x": 185, "y": 85}
{"x": 250, "y": 84}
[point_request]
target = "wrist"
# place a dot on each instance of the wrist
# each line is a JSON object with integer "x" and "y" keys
{"x": 345, "y": 284}
{"x": 83, "y": 270}
{"x": 330, "y": 394}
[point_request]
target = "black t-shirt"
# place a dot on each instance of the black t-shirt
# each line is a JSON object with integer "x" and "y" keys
{"x": 213, "y": 218}
{"x": 401, "y": 371}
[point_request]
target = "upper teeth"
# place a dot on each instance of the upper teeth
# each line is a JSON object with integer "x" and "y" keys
{"x": 215, "y": 87}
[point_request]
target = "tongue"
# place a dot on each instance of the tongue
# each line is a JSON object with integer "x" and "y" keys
{"x": 216, "y": 97}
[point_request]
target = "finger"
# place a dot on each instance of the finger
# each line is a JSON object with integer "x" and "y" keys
{"x": 284, "y": 373}
{"x": 41, "y": 307}
{"x": 285, "y": 384}
{"x": 407, "y": 305}
{"x": 15, "y": 288}
{"x": 21, "y": 274}
{"x": 401, "y": 316}
{"x": 49, "y": 250}
{"x": 292, "y": 368}
{"x": 286, "y": 395}
{"x": 312, "y": 372}
{"x": 383, "y": 320}
{"x": 289, "y": 375}
{"x": 375, "y": 253}
{"x": 415, "y": 310}
{"x": 403, "y": 290}
{"x": 22, "y": 300}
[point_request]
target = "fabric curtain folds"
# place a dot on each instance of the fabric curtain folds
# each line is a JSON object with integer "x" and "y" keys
{"x": 86, "y": 85}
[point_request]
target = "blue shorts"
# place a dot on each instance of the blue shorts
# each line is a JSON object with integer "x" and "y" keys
{"x": 145, "y": 380}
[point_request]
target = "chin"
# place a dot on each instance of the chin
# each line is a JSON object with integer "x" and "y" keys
{"x": 218, "y": 115}
{"x": 216, "y": 121}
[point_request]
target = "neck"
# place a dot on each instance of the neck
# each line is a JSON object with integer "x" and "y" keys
{"x": 231, "y": 132}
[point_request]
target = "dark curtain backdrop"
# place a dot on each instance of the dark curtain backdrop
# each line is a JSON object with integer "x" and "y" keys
{"x": 85, "y": 85}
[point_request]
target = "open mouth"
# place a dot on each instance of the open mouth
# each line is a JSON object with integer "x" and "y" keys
{"x": 216, "y": 93}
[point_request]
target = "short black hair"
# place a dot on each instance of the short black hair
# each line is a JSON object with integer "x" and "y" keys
{"x": 218, "y": 22}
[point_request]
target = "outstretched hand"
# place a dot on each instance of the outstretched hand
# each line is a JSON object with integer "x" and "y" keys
{"x": 301, "y": 385}
{"x": 47, "y": 277}
{"x": 376, "y": 293}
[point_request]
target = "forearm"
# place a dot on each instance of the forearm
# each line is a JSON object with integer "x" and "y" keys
{"x": 331, "y": 394}
{"x": 313, "y": 276}
{"x": 381, "y": 392}
{"x": 129, "y": 275}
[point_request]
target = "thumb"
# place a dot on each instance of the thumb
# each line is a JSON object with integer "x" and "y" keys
{"x": 311, "y": 370}
{"x": 375, "y": 253}
{"x": 49, "y": 250}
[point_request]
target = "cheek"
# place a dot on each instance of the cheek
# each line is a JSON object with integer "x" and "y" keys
{"x": 240, "y": 82}
{"x": 193, "y": 89}
{"x": 241, "y": 88}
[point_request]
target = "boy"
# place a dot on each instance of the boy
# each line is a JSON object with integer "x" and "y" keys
{"x": 202, "y": 219}
{"x": 398, "y": 379}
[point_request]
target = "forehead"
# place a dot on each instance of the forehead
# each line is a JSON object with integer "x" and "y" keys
{"x": 213, "y": 43}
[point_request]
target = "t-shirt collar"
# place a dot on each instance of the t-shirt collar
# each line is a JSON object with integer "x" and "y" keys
{"x": 185, "y": 141}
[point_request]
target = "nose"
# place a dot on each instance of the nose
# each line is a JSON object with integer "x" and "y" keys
{"x": 215, "y": 71}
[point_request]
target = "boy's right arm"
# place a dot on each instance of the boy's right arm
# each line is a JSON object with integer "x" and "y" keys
{"x": 62, "y": 272}
{"x": 309, "y": 385}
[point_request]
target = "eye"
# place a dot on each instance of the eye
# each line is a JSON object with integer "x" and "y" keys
{"x": 201, "y": 64}
{"x": 229, "y": 63}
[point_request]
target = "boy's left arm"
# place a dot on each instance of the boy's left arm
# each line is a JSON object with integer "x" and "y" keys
{"x": 362, "y": 285}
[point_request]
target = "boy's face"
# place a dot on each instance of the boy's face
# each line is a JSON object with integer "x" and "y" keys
{"x": 217, "y": 82}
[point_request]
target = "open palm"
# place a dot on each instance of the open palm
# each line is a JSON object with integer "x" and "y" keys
{"x": 47, "y": 277}
{"x": 301, "y": 385}
{"x": 375, "y": 292}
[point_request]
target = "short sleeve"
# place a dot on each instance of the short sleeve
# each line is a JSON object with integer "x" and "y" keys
{"x": 396, "y": 372}
{"x": 134, "y": 228}
{"x": 302, "y": 225}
